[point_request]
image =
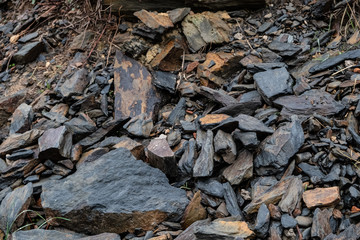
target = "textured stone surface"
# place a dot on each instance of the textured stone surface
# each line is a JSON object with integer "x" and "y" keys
{"x": 321, "y": 197}
{"x": 250, "y": 124}
{"x": 76, "y": 84}
{"x": 308, "y": 103}
{"x": 8, "y": 105}
{"x": 55, "y": 144}
{"x": 278, "y": 148}
{"x": 13, "y": 204}
{"x": 42, "y": 234}
{"x": 22, "y": 119}
{"x": 204, "y": 164}
{"x": 225, "y": 146}
{"x": 273, "y": 83}
{"x": 262, "y": 221}
{"x": 321, "y": 223}
{"x": 134, "y": 92}
{"x": 205, "y": 28}
{"x": 194, "y": 211}
{"x": 17, "y": 141}
{"x": 29, "y": 52}
{"x": 241, "y": 169}
{"x": 118, "y": 192}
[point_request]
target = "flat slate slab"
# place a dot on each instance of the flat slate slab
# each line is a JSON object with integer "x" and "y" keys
{"x": 134, "y": 92}
{"x": 115, "y": 193}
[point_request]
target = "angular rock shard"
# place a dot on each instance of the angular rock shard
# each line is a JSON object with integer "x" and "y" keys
{"x": 204, "y": 165}
{"x": 278, "y": 148}
{"x": 119, "y": 193}
{"x": 55, "y": 144}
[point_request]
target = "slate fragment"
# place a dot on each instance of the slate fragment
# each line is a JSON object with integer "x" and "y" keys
{"x": 165, "y": 80}
{"x": 36, "y": 234}
{"x": 55, "y": 144}
{"x": 139, "y": 126}
{"x": 8, "y": 105}
{"x": 211, "y": 186}
{"x": 225, "y": 146}
{"x": 22, "y": 119}
{"x": 75, "y": 85}
{"x": 134, "y": 92}
{"x": 103, "y": 188}
{"x": 162, "y": 157}
{"x": 204, "y": 28}
{"x": 17, "y": 141}
{"x": 241, "y": 169}
{"x": 284, "y": 49}
{"x": 204, "y": 164}
{"x": 308, "y": 103}
{"x": 187, "y": 160}
{"x": 178, "y": 113}
{"x": 251, "y": 124}
{"x": 273, "y": 83}
{"x": 262, "y": 222}
{"x": 277, "y": 149}
{"x": 194, "y": 211}
{"x": 28, "y": 52}
{"x": 321, "y": 223}
{"x": 219, "y": 96}
{"x": 231, "y": 201}
{"x": 13, "y": 204}
{"x": 321, "y": 197}
{"x": 350, "y": 55}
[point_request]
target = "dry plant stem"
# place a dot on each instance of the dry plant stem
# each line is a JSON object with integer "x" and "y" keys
{"x": 354, "y": 16}
{"x": 335, "y": 73}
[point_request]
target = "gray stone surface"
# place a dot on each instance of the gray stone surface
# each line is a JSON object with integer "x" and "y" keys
{"x": 28, "y": 53}
{"x": 262, "y": 221}
{"x": 75, "y": 85}
{"x": 278, "y": 148}
{"x": 55, "y": 144}
{"x": 28, "y": 37}
{"x": 250, "y": 124}
{"x": 204, "y": 164}
{"x": 22, "y": 119}
{"x": 13, "y": 204}
{"x": 273, "y": 83}
{"x": 116, "y": 193}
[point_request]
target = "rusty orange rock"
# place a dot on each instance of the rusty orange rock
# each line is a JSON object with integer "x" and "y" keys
{"x": 321, "y": 197}
{"x": 213, "y": 119}
{"x": 194, "y": 211}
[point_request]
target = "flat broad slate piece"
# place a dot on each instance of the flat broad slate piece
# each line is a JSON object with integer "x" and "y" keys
{"x": 134, "y": 92}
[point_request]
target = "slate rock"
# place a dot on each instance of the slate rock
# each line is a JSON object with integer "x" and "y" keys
{"x": 212, "y": 120}
{"x": 328, "y": 63}
{"x": 81, "y": 126}
{"x": 189, "y": 233}
{"x": 204, "y": 164}
{"x": 248, "y": 139}
{"x": 134, "y": 92}
{"x": 308, "y": 103}
{"x": 273, "y": 83}
{"x": 219, "y": 96}
{"x": 224, "y": 228}
{"x": 91, "y": 155}
{"x": 75, "y": 85}
{"x": 272, "y": 195}
{"x": 178, "y": 113}
{"x": 288, "y": 221}
{"x": 139, "y": 126}
{"x": 241, "y": 169}
{"x": 291, "y": 200}
{"x": 311, "y": 170}
{"x": 161, "y": 156}
{"x": 43, "y": 234}
{"x": 232, "y": 205}
{"x": 17, "y": 141}
{"x": 22, "y": 119}
{"x": 188, "y": 127}
{"x": 165, "y": 80}
{"x": 204, "y": 28}
{"x": 262, "y": 67}
{"x": 13, "y": 204}
{"x": 178, "y": 14}
{"x": 321, "y": 197}
{"x": 262, "y": 222}
{"x": 82, "y": 41}
{"x": 321, "y": 223}
{"x": 194, "y": 211}
{"x": 284, "y": 49}
{"x": 28, "y": 37}
{"x": 225, "y": 146}
{"x": 55, "y": 144}
{"x": 137, "y": 149}
{"x": 8, "y": 105}
{"x": 250, "y": 124}
{"x": 278, "y": 148}
{"x": 20, "y": 154}
{"x": 304, "y": 221}
{"x": 114, "y": 189}
{"x": 28, "y": 52}
{"x": 212, "y": 187}
{"x": 187, "y": 160}
{"x": 155, "y": 21}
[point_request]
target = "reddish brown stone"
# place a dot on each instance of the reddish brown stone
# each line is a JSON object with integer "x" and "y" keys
{"x": 137, "y": 149}
{"x": 213, "y": 119}
{"x": 154, "y": 20}
{"x": 321, "y": 197}
{"x": 169, "y": 58}
{"x": 219, "y": 66}
{"x": 194, "y": 211}
{"x": 250, "y": 59}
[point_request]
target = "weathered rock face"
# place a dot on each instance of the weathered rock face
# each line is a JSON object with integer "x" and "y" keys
{"x": 204, "y": 164}
{"x": 55, "y": 144}
{"x": 118, "y": 192}
{"x": 321, "y": 197}
{"x": 9, "y": 104}
{"x": 308, "y": 103}
{"x": 17, "y": 141}
{"x": 279, "y": 148}
{"x": 29, "y": 52}
{"x": 205, "y": 28}
{"x": 36, "y": 234}
{"x": 21, "y": 119}
{"x": 75, "y": 85}
{"x": 273, "y": 83}
{"x": 13, "y": 204}
{"x": 241, "y": 169}
{"x": 134, "y": 93}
